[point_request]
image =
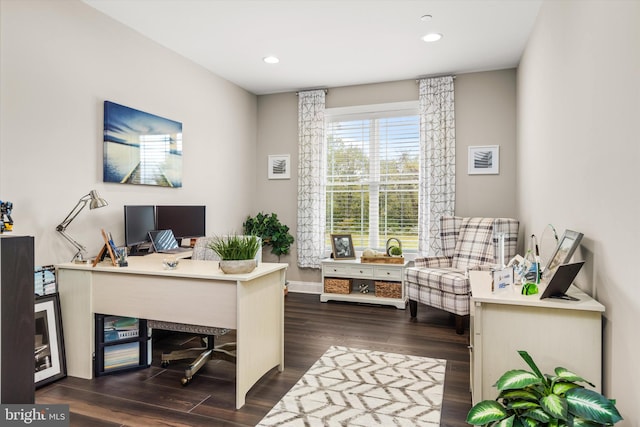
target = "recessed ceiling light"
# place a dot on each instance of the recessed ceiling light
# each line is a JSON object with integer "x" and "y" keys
{"x": 270, "y": 59}
{"x": 432, "y": 37}
{"x": 426, "y": 17}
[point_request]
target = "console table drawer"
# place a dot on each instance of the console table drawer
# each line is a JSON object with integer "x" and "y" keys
{"x": 388, "y": 273}
{"x": 332, "y": 270}
{"x": 361, "y": 271}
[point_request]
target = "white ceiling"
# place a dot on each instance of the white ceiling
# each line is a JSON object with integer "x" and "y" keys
{"x": 325, "y": 43}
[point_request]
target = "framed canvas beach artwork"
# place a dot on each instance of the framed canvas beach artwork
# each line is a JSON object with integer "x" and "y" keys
{"x": 141, "y": 148}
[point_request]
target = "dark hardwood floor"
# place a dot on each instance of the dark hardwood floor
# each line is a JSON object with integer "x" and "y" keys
{"x": 155, "y": 397}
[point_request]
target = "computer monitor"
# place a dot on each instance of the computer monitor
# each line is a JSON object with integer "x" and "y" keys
{"x": 186, "y": 221}
{"x": 139, "y": 220}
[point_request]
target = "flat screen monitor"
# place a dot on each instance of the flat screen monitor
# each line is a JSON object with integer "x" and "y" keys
{"x": 139, "y": 220}
{"x": 186, "y": 221}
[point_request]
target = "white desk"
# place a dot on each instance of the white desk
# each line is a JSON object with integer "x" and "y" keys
{"x": 196, "y": 293}
{"x": 554, "y": 332}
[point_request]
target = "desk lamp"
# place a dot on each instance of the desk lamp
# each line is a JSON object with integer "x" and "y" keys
{"x": 95, "y": 202}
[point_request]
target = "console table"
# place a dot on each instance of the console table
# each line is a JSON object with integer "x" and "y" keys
{"x": 554, "y": 332}
{"x": 388, "y": 275}
{"x": 196, "y": 293}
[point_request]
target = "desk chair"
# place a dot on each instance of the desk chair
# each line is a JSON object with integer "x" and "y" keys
{"x": 208, "y": 352}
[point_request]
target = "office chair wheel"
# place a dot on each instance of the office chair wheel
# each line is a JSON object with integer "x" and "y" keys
{"x": 185, "y": 381}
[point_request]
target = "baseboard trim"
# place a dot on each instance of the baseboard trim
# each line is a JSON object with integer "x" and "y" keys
{"x": 305, "y": 287}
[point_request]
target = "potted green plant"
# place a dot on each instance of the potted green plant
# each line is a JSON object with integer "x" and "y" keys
{"x": 272, "y": 232}
{"x": 237, "y": 253}
{"x": 533, "y": 399}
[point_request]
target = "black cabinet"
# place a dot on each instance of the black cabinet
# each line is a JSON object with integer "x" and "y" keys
{"x": 122, "y": 344}
{"x": 17, "y": 323}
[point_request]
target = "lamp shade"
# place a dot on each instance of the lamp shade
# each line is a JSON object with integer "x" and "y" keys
{"x": 96, "y": 201}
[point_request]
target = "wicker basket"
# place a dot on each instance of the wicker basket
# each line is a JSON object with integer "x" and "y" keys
{"x": 337, "y": 286}
{"x": 388, "y": 289}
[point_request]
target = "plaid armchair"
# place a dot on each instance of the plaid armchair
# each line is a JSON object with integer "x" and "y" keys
{"x": 467, "y": 244}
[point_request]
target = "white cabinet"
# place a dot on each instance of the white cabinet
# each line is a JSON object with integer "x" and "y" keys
{"x": 554, "y": 332}
{"x": 364, "y": 283}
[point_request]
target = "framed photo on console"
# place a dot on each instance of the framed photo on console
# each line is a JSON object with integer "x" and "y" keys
{"x": 342, "y": 246}
{"x": 50, "y": 364}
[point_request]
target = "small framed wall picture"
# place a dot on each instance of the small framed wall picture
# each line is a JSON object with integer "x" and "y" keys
{"x": 279, "y": 166}
{"x": 484, "y": 160}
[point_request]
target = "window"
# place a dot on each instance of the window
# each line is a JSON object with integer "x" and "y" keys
{"x": 372, "y": 175}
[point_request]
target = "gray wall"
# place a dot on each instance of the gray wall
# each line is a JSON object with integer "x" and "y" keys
{"x": 485, "y": 115}
{"x": 578, "y": 154}
{"x": 59, "y": 60}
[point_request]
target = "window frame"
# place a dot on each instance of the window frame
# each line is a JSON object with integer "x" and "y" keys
{"x": 366, "y": 112}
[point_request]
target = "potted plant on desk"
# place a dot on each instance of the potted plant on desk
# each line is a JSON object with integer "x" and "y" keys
{"x": 533, "y": 399}
{"x": 237, "y": 253}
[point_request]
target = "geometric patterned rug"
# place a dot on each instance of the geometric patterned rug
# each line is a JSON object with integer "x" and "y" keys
{"x": 353, "y": 387}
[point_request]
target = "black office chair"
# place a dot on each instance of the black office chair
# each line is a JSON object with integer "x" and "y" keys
{"x": 207, "y": 335}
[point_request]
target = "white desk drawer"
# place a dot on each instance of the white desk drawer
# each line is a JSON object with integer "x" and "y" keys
{"x": 388, "y": 273}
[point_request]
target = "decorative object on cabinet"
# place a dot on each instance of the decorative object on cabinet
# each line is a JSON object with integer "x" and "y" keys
{"x": 528, "y": 398}
{"x": 484, "y": 160}
{"x": 279, "y": 166}
{"x": 237, "y": 253}
{"x": 342, "y": 246}
{"x": 95, "y": 202}
{"x": 6, "y": 222}
{"x": 564, "y": 251}
{"x": 141, "y": 148}
{"x": 50, "y": 362}
{"x": 467, "y": 244}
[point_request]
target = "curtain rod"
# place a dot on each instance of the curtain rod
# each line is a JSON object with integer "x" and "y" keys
{"x": 453, "y": 76}
{"x": 326, "y": 91}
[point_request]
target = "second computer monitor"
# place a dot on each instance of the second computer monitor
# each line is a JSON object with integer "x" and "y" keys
{"x": 186, "y": 221}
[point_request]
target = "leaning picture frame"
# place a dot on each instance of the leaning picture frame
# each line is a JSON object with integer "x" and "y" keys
{"x": 567, "y": 245}
{"x": 342, "y": 246}
{"x": 484, "y": 160}
{"x": 50, "y": 363}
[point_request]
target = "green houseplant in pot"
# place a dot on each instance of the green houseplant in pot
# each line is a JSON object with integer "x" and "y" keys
{"x": 272, "y": 232}
{"x": 533, "y": 399}
{"x": 237, "y": 253}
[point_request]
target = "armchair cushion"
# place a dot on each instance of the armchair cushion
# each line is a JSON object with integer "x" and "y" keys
{"x": 445, "y": 279}
{"x": 474, "y": 243}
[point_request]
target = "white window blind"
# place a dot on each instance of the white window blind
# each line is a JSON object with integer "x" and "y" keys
{"x": 372, "y": 174}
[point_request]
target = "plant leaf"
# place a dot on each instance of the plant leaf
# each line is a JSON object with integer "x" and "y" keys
{"x": 592, "y": 406}
{"x": 567, "y": 375}
{"x": 555, "y": 406}
{"x": 538, "y": 414}
{"x": 520, "y": 394}
{"x": 486, "y": 412}
{"x": 562, "y": 387}
{"x": 508, "y": 422}
{"x": 522, "y": 404}
{"x": 517, "y": 378}
{"x": 530, "y": 362}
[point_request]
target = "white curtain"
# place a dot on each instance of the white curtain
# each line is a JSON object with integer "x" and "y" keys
{"x": 437, "y": 160}
{"x": 311, "y": 179}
